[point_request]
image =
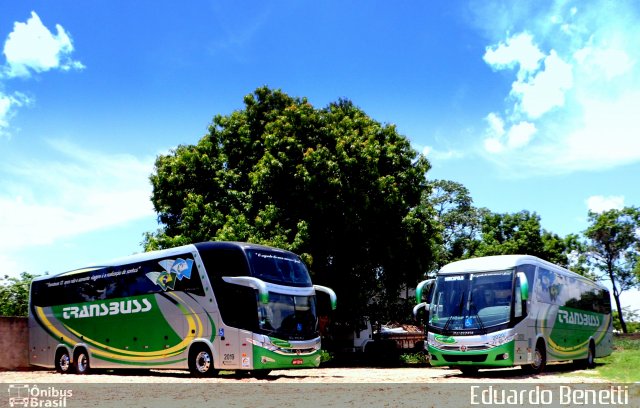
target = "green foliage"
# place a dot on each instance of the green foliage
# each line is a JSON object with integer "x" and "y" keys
{"x": 420, "y": 358}
{"x": 614, "y": 250}
{"x": 630, "y": 317}
{"x": 466, "y": 231}
{"x": 14, "y": 295}
{"x": 458, "y": 220}
{"x": 520, "y": 233}
{"x": 331, "y": 184}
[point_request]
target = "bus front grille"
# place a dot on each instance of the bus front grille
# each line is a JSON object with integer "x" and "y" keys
{"x": 456, "y": 358}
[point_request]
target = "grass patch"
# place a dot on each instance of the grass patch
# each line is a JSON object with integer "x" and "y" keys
{"x": 622, "y": 365}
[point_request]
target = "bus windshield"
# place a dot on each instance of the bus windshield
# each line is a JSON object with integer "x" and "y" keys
{"x": 289, "y": 317}
{"x": 276, "y": 267}
{"x": 471, "y": 301}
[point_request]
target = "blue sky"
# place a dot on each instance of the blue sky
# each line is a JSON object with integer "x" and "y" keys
{"x": 531, "y": 105}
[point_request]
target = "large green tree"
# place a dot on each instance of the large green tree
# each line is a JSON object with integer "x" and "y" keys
{"x": 331, "y": 184}
{"x": 614, "y": 250}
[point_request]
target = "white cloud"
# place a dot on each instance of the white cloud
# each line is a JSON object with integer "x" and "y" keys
{"x": 8, "y": 106}
{"x": 441, "y": 155}
{"x": 81, "y": 191}
{"x": 545, "y": 90}
{"x": 500, "y": 139}
{"x": 576, "y": 88}
{"x": 599, "y": 204}
{"x": 517, "y": 50}
{"x": 32, "y": 47}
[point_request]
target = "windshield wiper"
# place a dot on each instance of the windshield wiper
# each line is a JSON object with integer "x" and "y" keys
{"x": 481, "y": 326}
{"x": 450, "y": 319}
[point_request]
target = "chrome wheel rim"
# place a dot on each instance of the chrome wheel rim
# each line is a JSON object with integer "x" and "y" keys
{"x": 64, "y": 362}
{"x": 203, "y": 362}
{"x": 83, "y": 363}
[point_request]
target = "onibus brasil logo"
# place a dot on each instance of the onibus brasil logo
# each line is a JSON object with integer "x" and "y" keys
{"x": 24, "y": 395}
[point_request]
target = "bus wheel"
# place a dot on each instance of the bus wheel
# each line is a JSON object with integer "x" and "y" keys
{"x": 63, "y": 361}
{"x": 201, "y": 361}
{"x": 590, "y": 361}
{"x": 539, "y": 359}
{"x": 81, "y": 361}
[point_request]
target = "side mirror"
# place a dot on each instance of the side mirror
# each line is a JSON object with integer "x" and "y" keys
{"x": 524, "y": 285}
{"x": 330, "y": 292}
{"x": 420, "y": 289}
{"x": 250, "y": 282}
{"x": 419, "y": 306}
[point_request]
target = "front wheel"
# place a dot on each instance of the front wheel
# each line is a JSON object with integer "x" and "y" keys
{"x": 201, "y": 361}
{"x": 539, "y": 360}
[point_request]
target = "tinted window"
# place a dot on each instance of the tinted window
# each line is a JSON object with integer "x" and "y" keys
{"x": 278, "y": 267}
{"x": 176, "y": 273}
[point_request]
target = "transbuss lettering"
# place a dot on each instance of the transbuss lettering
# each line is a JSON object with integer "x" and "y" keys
{"x": 106, "y": 309}
{"x": 581, "y": 319}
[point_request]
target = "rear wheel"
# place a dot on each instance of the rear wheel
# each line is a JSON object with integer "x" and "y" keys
{"x": 590, "y": 361}
{"x": 63, "y": 361}
{"x": 81, "y": 361}
{"x": 201, "y": 361}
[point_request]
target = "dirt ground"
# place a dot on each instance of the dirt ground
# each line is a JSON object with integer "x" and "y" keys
{"x": 353, "y": 387}
{"x": 554, "y": 374}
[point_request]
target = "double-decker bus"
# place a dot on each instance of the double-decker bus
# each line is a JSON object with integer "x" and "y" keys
{"x": 515, "y": 310}
{"x": 204, "y": 307}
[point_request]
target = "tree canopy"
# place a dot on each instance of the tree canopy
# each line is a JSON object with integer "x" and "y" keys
{"x": 14, "y": 295}
{"x": 331, "y": 184}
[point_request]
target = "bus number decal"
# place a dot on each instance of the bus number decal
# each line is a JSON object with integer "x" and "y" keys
{"x": 228, "y": 357}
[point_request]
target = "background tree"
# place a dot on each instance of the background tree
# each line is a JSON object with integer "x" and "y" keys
{"x": 614, "y": 250}
{"x": 457, "y": 219}
{"x": 520, "y": 233}
{"x": 331, "y": 184}
{"x": 14, "y": 295}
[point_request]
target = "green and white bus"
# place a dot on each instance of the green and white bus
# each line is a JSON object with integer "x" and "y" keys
{"x": 510, "y": 310}
{"x": 204, "y": 307}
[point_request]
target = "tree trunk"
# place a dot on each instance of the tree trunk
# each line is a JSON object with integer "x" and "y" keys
{"x": 616, "y": 297}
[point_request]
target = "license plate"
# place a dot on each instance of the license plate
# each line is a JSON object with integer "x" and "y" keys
{"x": 297, "y": 361}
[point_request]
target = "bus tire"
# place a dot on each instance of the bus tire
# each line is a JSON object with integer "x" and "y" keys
{"x": 63, "y": 361}
{"x": 201, "y": 361}
{"x": 539, "y": 359}
{"x": 590, "y": 361}
{"x": 81, "y": 361}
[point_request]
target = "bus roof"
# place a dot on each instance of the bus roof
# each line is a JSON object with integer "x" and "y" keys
{"x": 499, "y": 262}
{"x": 146, "y": 256}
